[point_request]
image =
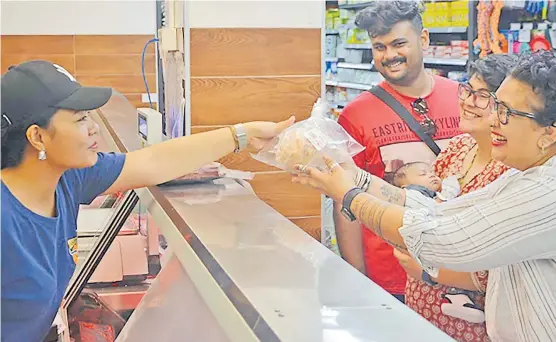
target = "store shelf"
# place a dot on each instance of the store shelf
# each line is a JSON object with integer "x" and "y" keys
{"x": 456, "y": 29}
{"x": 446, "y": 61}
{"x": 349, "y": 85}
{"x": 332, "y": 32}
{"x": 355, "y": 6}
{"x": 358, "y": 66}
{"x": 358, "y": 46}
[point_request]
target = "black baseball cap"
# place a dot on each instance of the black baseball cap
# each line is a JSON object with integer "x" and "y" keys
{"x": 36, "y": 89}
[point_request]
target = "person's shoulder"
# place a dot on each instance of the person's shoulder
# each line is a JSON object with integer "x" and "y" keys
{"x": 445, "y": 82}
{"x": 359, "y": 104}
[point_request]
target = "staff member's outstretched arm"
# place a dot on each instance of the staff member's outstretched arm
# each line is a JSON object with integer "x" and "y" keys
{"x": 174, "y": 158}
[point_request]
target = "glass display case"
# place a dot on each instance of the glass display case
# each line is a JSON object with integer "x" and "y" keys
{"x": 210, "y": 261}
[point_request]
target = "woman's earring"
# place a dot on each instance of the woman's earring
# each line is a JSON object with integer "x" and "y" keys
{"x": 42, "y": 155}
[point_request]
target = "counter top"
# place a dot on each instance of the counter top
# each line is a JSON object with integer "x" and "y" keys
{"x": 285, "y": 285}
{"x": 292, "y": 284}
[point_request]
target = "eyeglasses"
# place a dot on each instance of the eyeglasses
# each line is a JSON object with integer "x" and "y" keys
{"x": 421, "y": 107}
{"x": 481, "y": 98}
{"x": 504, "y": 112}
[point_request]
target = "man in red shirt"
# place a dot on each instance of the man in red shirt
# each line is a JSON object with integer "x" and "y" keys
{"x": 398, "y": 40}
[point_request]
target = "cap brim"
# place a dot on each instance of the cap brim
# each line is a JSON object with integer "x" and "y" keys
{"x": 86, "y": 98}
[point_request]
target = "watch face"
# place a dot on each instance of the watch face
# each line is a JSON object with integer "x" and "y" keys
{"x": 347, "y": 214}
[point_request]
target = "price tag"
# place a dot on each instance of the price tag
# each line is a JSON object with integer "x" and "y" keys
{"x": 316, "y": 138}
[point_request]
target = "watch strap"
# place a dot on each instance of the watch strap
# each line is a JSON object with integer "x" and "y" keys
{"x": 346, "y": 203}
{"x": 427, "y": 279}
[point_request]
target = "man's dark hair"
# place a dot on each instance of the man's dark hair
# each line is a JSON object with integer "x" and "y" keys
{"x": 538, "y": 69}
{"x": 493, "y": 69}
{"x": 379, "y": 17}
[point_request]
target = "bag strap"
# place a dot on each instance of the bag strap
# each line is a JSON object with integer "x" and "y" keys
{"x": 403, "y": 113}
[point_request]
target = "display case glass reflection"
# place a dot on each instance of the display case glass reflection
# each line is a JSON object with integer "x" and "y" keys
{"x": 119, "y": 250}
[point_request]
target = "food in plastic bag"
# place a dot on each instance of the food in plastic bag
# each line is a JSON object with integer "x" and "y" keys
{"x": 307, "y": 142}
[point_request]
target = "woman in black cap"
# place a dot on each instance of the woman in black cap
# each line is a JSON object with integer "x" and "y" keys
{"x": 50, "y": 166}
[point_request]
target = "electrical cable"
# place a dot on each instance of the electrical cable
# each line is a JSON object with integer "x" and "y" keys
{"x": 143, "y": 69}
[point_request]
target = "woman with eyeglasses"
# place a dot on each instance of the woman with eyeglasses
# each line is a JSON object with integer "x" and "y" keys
{"x": 454, "y": 301}
{"x": 508, "y": 227}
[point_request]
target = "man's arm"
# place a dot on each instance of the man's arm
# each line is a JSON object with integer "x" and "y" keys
{"x": 350, "y": 240}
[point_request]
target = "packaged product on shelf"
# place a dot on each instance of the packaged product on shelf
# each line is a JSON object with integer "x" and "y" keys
{"x": 331, "y": 68}
{"x": 330, "y": 45}
{"x": 308, "y": 141}
{"x": 340, "y": 96}
{"x": 354, "y": 55}
{"x": 331, "y": 15}
{"x": 430, "y": 15}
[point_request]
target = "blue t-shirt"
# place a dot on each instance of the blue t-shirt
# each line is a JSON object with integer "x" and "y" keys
{"x": 38, "y": 252}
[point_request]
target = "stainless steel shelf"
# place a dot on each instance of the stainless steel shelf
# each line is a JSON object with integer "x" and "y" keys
{"x": 358, "y": 46}
{"x": 359, "y": 66}
{"x": 455, "y": 29}
{"x": 355, "y": 6}
{"x": 350, "y": 85}
{"x": 446, "y": 61}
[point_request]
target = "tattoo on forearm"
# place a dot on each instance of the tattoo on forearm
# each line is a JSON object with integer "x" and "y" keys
{"x": 391, "y": 194}
{"x": 370, "y": 211}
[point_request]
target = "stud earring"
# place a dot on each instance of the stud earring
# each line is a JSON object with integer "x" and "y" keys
{"x": 42, "y": 155}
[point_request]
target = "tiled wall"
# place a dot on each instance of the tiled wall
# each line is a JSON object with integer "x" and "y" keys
{"x": 245, "y": 74}
{"x": 97, "y": 60}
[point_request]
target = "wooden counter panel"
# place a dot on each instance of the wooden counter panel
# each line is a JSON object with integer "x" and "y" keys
{"x": 289, "y": 199}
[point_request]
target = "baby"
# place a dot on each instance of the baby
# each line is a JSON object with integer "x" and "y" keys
{"x": 420, "y": 177}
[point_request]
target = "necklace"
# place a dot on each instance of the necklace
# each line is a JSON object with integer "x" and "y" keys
{"x": 462, "y": 178}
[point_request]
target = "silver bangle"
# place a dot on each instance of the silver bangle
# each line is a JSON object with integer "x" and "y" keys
{"x": 363, "y": 180}
{"x": 241, "y": 135}
{"x": 367, "y": 182}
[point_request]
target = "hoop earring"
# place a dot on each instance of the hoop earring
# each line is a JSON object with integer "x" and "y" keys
{"x": 42, "y": 155}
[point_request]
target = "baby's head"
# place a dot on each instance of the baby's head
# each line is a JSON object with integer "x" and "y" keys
{"x": 417, "y": 174}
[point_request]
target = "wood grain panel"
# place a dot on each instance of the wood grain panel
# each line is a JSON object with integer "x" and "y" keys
{"x": 136, "y": 100}
{"x": 311, "y": 225}
{"x": 290, "y": 200}
{"x": 124, "y": 84}
{"x": 112, "y": 44}
{"x": 43, "y": 45}
{"x": 113, "y": 64}
{"x": 224, "y": 101}
{"x": 66, "y": 61}
{"x": 255, "y": 51}
{"x": 240, "y": 161}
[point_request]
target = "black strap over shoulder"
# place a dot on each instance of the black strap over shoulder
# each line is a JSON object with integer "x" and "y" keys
{"x": 403, "y": 113}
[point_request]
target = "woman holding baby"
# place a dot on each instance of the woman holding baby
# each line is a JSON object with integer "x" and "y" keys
{"x": 506, "y": 227}
{"x": 468, "y": 159}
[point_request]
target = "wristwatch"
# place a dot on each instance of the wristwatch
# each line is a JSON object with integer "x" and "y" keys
{"x": 346, "y": 203}
{"x": 427, "y": 279}
{"x": 241, "y": 135}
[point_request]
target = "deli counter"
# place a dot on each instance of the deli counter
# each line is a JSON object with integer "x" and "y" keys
{"x": 210, "y": 261}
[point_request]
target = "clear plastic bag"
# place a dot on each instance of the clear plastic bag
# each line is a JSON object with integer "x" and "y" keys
{"x": 307, "y": 142}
